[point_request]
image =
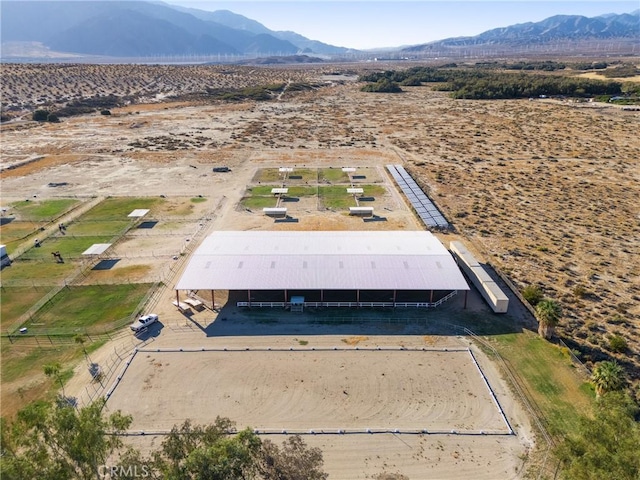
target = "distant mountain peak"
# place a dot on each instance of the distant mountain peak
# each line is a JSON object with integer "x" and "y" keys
{"x": 558, "y": 28}
{"x": 142, "y": 29}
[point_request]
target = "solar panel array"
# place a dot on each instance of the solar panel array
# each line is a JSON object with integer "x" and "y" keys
{"x": 423, "y": 206}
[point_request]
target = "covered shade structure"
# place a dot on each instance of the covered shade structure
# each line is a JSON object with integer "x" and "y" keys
{"x": 350, "y": 268}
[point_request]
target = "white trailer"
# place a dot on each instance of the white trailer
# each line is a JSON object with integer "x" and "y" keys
{"x": 490, "y": 291}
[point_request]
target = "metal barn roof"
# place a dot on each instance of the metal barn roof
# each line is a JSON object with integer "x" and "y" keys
{"x": 335, "y": 260}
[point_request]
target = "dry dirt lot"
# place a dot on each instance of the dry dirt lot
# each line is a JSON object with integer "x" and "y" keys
{"x": 545, "y": 191}
{"x": 305, "y": 389}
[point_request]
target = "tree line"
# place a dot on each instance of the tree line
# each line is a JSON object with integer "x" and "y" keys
{"x": 484, "y": 84}
{"x": 56, "y": 441}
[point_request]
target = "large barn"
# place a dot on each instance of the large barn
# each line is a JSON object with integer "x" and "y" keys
{"x": 324, "y": 268}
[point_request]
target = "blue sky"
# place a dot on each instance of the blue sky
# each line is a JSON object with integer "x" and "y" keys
{"x": 365, "y": 24}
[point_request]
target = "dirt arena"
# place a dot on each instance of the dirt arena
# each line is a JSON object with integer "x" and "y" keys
{"x": 302, "y": 390}
{"x": 354, "y": 388}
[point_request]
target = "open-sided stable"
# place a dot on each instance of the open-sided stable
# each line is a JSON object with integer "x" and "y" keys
{"x": 327, "y": 268}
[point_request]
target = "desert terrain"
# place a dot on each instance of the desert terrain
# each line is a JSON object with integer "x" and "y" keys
{"x": 544, "y": 191}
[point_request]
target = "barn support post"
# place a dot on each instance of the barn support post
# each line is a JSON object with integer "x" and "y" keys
{"x": 285, "y": 295}
{"x": 213, "y": 300}
{"x": 466, "y": 293}
{"x": 431, "y": 297}
{"x": 249, "y": 298}
{"x": 178, "y": 298}
{"x": 394, "y": 298}
{"x": 321, "y": 296}
{"x": 358, "y": 297}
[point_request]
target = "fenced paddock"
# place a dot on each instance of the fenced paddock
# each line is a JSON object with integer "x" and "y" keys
{"x": 329, "y": 390}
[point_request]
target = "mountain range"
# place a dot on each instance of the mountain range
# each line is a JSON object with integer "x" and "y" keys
{"x": 568, "y": 28}
{"x": 139, "y": 29}
{"x": 146, "y": 29}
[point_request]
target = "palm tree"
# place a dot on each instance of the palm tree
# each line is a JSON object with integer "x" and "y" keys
{"x": 608, "y": 376}
{"x": 548, "y": 313}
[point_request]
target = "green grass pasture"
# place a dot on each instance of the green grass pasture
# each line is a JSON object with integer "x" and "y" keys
{"x": 333, "y": 175}
{"x": 258, "y": 203}
{"x": 14, "y": 301}
{"x": 43, "y": 210}
{"x": 68, "y": 246}
{"x": 45, "y": 271}
{"x": 302, "y": 191}
{"x": 97, "y": 227}
{"x": 560, "y": 393}
{"x": 14, "y": 233}
{"x": 336, "y": 196}
{"x": 81, "y": 307}
{"x": 118, "y": 208}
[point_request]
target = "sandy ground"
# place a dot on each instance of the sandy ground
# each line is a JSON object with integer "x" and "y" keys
{"x": 347, "y": 389}
{"x": 305, "y": 390}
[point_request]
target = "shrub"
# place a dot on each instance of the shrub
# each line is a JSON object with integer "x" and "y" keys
{"x": 532, "y": 294}
{"x": 383, "y": 85}
{"x": 617, "y": 344}
{"x": 53, "y": 118}
{"x": 617, "y": 319}
{"x": 105, "y": 112}
{"x": 579, "y": 291}
{"x": 40, "y": 115}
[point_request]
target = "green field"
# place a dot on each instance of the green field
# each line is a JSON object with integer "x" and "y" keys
{"x": 332, "y": 175}
{"x": 48, "y": 210}
{"x": 14, "y": 301}
{"x": 118, "y": 208}
{"x": 259, "y": 197}
{"x": 74, "y": 309}
{"x": 68, "y": 246}
{"x": 258, "y": 203}
{"x": 551, "y": 379}
{"x": 265, "y": 191}
{"x": 336, "y": 196}
{"x": 97, "y": 227}
{"x": 83, "y": 307}
{"x": 14, "y": 233}
{"x": 261, "y": 190}
{"x": 45, "y": 271}
{"x": 545, "y": 370}
{"x": 302, "y": 191}
{"x": 25, "y": 364}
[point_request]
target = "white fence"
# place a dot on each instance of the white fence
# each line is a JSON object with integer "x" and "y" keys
{"x": 351, "y": 304}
